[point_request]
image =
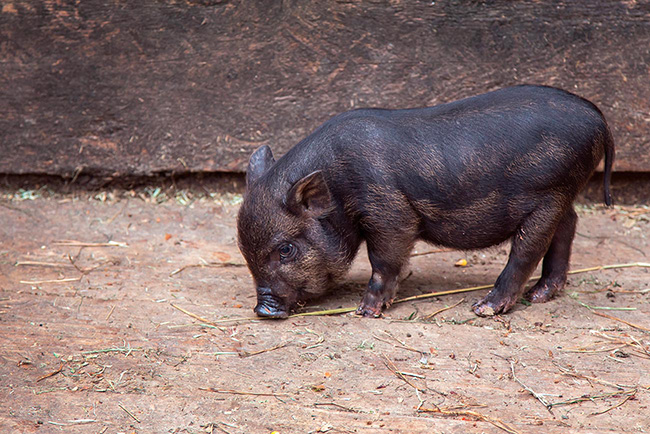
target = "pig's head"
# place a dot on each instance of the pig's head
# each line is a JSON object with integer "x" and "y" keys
{"x": 291, "y": 249}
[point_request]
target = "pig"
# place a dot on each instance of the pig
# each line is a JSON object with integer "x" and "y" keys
{"x": 469, "y": 174}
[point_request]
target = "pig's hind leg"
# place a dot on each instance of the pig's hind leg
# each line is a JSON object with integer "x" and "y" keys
{"x": 529, "y": 244}
{"x": 556, "y": 261}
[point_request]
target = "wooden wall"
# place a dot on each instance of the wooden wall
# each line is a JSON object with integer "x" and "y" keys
{"x": 118, "y": 87}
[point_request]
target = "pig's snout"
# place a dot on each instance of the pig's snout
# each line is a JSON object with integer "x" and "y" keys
{"x": 269, "y": 305}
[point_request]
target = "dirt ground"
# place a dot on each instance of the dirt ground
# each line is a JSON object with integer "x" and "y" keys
{"x": 152, "y": 331}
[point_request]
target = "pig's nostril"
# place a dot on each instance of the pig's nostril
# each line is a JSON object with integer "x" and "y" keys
{"x": 269, "y": 305}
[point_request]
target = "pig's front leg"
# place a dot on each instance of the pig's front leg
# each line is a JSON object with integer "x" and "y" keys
{"x": 387, "y": 259}
{"x": 380, "y": 293}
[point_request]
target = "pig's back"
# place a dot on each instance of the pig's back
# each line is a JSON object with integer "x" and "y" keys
{"x": 531, "y": 136}
{"x": 488, "y": 159}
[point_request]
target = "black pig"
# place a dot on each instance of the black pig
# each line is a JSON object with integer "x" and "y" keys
{"x": 505, "y": 165}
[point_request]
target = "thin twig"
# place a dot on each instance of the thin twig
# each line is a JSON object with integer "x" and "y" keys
{"x": 611, "y": 267}
{"x": 613, "y": 318}
{"x": 193, "y": 315}
{"x": 632, "y": 391}
{"x": 110, "y": 313}
{"x": 402, "y": 344}
{"x": 128, "y": 412}
{"x": 637, "y": 347}
{"x": 83, "y": 272}
{"x": 325, "y": 312}
{"x": 391, "y": 366}
{"x": 222, "y": 429}
{"x": 627, "y": 398}
{"x": 588, "y": 306}
{"x": 410, "y": 374}
{"x": 630, "y": 291}
{"x": 215, "y": 322}
{"x": 640, "y": 345}
{"x": 254, "y": 353}
{"x": 599, "y": 350}
{"x": 439, "y": 293}
{"x": 42, "y": 264}
{"x": 38, "y": 282}
{"x": 113, "y": 350}
{"x": 73, "y": 422}
{"x": 72, "y": 261}
{"x": 497, "y": 423}
{"x": 237, "y": 392}
{"x": 334, "y": 404}
{"x": 13, "y": 208}
{"x": 431, "y": 252}
{"x": 571, "y": 373}
{"x": 207, "y": 265}
{"x": 51, "y": 374}
{"x": 420, "y": 400}
{"x": 399, "y": 346}
{"x": 612, "y": 239}
{"x": 110, "y": 220}
{"x": 71, "y": 243}
{"x": 529, "y": 390}
{"x": 428, "y": 317}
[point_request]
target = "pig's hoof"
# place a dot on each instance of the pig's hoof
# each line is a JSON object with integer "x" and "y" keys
{"x": 368, "y": 312}
{"x": 544, "y": 291}
{"x": 371, "y": 306}
{"x": 488, "y": 307}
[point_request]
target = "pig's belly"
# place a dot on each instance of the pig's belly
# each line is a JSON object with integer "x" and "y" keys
{"x": 466, "y": 235}
{"x": 476, "y": 226}
{"x": 477, "y": 222}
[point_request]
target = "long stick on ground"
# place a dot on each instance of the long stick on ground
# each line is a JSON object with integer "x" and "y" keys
{"x": 415, "y": 297}
{"x": 463, "y": 290}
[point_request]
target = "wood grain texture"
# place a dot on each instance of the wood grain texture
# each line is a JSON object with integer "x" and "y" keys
{"x": 138, "y": 88}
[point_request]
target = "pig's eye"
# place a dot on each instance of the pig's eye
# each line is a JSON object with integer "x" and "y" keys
{"x": 287, "y": 252}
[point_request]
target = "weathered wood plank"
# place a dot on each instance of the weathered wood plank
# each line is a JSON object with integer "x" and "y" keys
{"x": 137, "y": 88}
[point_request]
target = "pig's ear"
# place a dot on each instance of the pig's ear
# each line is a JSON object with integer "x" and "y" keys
{"x": 260, "y": 162}
{"x": 310, "y": 196}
